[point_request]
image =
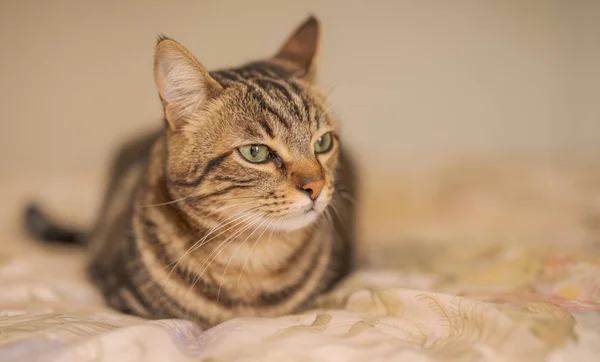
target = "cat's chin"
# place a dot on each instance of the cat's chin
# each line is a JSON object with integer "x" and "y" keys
{"x": 297, "y": 222}
{"x": 300, "y": 220}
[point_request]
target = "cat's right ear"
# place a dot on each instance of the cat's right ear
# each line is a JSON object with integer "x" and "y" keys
{"x": 183, "y": 84}
{"x": 301, "y": 48}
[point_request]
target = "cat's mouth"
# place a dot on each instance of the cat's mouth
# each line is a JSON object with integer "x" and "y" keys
{"x": 306, "y": 215}
{"x": 298, "y": 221}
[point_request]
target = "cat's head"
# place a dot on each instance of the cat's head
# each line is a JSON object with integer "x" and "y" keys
{"x": 255, "y": 143}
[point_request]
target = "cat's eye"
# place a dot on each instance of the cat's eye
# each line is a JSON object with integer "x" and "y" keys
{"x": 324, "y": 143}
{"x": 255, "y": 153}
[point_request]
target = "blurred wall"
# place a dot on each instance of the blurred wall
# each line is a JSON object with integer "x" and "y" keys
{"x": 411, "y": 80}
{"x": 581, "y": 120}
{"x": 512, "y": 83}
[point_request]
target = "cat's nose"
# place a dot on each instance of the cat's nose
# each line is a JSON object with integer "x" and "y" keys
{"x": 307, "y": 176}
{"x": 312, "y": 188}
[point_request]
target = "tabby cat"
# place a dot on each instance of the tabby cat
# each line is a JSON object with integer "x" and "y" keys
{"x": 241, "y": 205}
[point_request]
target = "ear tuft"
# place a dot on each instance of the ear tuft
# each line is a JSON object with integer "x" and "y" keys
{"x": 160, "y": 37}
{"x": 302, "y": 46}
{"x": 183, "y": 84}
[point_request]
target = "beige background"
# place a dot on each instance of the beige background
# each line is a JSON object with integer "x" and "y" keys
{"x": 409, "y": 77}
{"x": 412, "y": 81}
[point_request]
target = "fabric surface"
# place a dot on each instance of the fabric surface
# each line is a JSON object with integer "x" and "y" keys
{"x": 524, "y": 287}
{"x": 493, "y": 303}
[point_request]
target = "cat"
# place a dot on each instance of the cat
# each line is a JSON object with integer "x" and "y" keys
{"x": 242, "y": 204}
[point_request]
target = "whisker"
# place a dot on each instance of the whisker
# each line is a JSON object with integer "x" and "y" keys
{"x": 217, "y": 250}
{"x": 244, "y": 197}
{"x": 346, "y": 195}
{"x": 328, "y": 216}
{"x": 176, "y": 262}
{"x": 199, "y": 195}
{"x": 170, "y": 202}
{"x": 202, "y": 243}
{"x": 247, "y": 258}
{"x": 235, "y": 252}
{"x": 201, "y": 240}
{"x": 230, "y": 206}
{"x": 272, "y": 231}
{"x": 246, "y": 223}
{"x": 336, "y": 210}
{"x": 225, "y": 243}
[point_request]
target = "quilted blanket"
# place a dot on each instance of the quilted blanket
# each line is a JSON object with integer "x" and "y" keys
{"x": 410, "y": 300}
{"x": 493, "y": 303}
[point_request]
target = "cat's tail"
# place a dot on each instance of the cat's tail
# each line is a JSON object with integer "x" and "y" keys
{"x": 41, "y": 227}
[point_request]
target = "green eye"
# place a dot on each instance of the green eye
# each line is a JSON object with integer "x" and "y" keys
{"x": 255, "y": 153}
{"x": 324, "y": 143}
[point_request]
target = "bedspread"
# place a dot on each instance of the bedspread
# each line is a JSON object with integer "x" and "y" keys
{"x": 511, "y": 296}
{"x": 484, "y": 302}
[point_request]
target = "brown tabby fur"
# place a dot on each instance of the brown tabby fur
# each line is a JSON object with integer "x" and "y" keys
{"x": 189, "y": 229}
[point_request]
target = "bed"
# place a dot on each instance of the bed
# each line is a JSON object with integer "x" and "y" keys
{"x": 414, "y": 299}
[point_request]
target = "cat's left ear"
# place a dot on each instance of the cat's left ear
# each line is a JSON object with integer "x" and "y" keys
{"x": 302, "y": 47}
{"x": 183, "y": 84}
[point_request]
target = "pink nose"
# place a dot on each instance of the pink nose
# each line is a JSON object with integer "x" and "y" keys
{"x": 313, "y": 188}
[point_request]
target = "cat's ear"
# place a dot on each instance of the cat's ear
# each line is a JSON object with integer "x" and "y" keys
{"x": 183, "y": 84}
{"x": 302, "y": 46}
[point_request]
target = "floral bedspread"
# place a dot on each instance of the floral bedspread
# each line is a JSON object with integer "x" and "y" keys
{"x": 537, "y": 298}
{"x": 412, "y": 302}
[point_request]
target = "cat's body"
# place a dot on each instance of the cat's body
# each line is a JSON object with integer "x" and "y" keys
{"x": 312, "y": 264}
{"x": 197, "y": 225}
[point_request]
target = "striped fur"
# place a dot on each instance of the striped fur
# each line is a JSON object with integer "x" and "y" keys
{"x": 189, "y": 229}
